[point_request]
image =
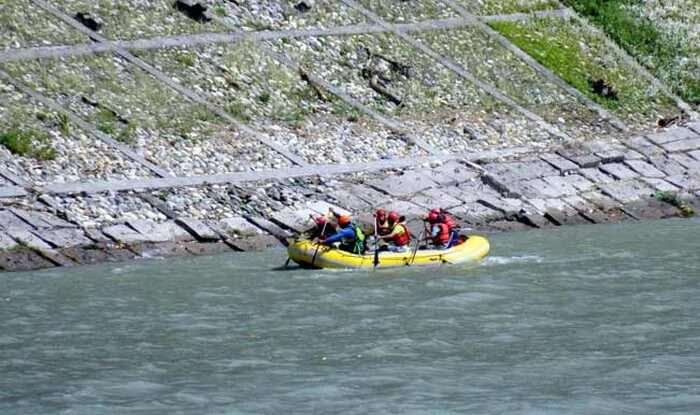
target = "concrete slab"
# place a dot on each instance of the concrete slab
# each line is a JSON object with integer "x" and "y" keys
{"x": 238, "y": 227}
{"x": 270, "y": 227}
{"x": 6, "y": 242}
{"x": 96, "y": 235}
{"x": 692, "y": 164}
{"x": 471, "y": 191}
{"x": 596, "y": 176}
{"x": 685, "y": 182}
{"x": 167, "y": 231}
{"x": 41, "y": 220}
{"x": 349, "y": 200}
{"x": 619, "y": 171}
{"x": 200, "y": 230}
{"x": 560, "y": 163}
{"x": 9, "y": 220}
{"x": 694, "y": 126}
{"x": 587, "y": 209}
{"x": 695, "y": 154}
{"x": 607, "y": 152}
{"x": 602, "y": 201}
{"x": 7, "y": 191}
{"x": 476, "y": 213}
{"x": 668, "y": 165}
{"x": 406, "y": 208}
{"x": 671, "y": 135}
{"x": 453, "y": 172}
{"x": 520, "y": 170}
{"x": 297, "y": 220}
{"x": 644, "y": 169}
{"x": 660, "y": 184}
{"x": 367, "y": 193}
{"x": 33, "y": 242}
{"x": 124, "y": 234}
{"x": 22, "y": 259}
{"x": 63, "y": 237}
{"x": 563, "y": 184}
{"x": 683, "y": 145}
{"x": 651, "y": 208}
{"x": 322, "y": 207}
{"x": 541, "y": 206}
{"x": 255, "y": 243}
{"x": 579, "y": 182}
{"x": 627, "y": 191}
{"x": 409, "y": 183}
{"x": 644, "y": 146}
{"x": 442, "y": 197}
{"x": 547, "y": 187}
{"x": 508, "y": 206}
{"x": 581, "y": 158}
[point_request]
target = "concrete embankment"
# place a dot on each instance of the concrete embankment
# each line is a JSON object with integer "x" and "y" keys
{"x": 643, "y": 177}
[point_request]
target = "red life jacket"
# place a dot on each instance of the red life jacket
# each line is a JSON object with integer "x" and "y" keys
{"x": 448, "y": 220}
{"x": 443, "y": 237}
{"x": 403, "y": 238}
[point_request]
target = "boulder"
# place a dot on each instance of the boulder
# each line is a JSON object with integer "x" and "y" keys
{"x": 194, "y": 10}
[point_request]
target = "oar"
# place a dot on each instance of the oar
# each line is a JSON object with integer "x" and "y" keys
{"x": 318, "y": 244}
{"x": 415, "y": 248}
{"x": 376, "y": 242}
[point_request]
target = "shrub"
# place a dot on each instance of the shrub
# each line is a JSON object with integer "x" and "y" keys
{"x": 28, "y": 143}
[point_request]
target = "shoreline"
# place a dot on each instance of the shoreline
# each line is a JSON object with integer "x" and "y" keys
{"x": 644, "y": 177}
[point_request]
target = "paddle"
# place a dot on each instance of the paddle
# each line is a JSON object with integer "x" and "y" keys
{"x": 318, "y": 244}
{"x": 415, "y": 248}
{"x": 376, "y": 242}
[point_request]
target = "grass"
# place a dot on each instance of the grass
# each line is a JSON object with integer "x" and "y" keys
{"x": 580, "y": 58}
{"x": 186, "y": 58}
{"x": 673, "y": 199}
{"x": 28, "y": 143}
{"x": 660, "y": 52}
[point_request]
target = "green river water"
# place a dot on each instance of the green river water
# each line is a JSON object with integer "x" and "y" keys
{"x": 577, "y": 320}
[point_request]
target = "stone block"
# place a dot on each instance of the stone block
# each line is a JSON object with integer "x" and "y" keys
{"x": 671, "y": 135}
{"x": 567, "y": 216}
{"x": 587, "y": 209}
{"x": 124, "y": 234}
{"x": 509, "y": 207}
{"x": 271, "y": 228}
{"x": 160, "y": 249}
{"x": 297, "y": 220}
{"x": 660, "y": 184}
{"x": 63, "y": 237}
{"x": 695, "y": 154}
{"x": 350, "y": 200}
{"x": 619, "y": 171}
{"x": 200, "y": 230}
{"x": 601, "y": 201}
{"x": 509, "y": 225}
{"x": 668, "y": 165}
{"x": 542, "y": 188}
{"x": 210, "y": 248}
{"x": 579, "y": 182}
{"x": 321, "y": 208}
{"x": 627, "y": 191}
{"x": 651, "y": 208}
{"x": 255, "y": 243}
{"x": 644, "y": 169}
{"x": 160, "y": 232}
{"x": 405, "y": 208}
{"x": 560, "y": 163}
{"x": 582, "y": 158}
{"x": 535, "y": 220}
{"x": 520, "y": 170}
{"x": 441, "y": 197}
{"x": 409, "y": 183}
{"x": 6, "y": 242}
{"x": 563, "y": 184}
{"x": 596, "y": 176}
{"x": 694, "y": 126}
{"x": 685, "y": 182}
{"x": 96, "y": 235}
{"x": 452, "y": 172}
{"x": 541, "y": 206}
{"x": 41, "y": 220}
{"x": 33, "y": 242}
{"x": 643, "y": 146}
{"x": 367, "y": 193}
{"x": 683, "y": 145}
{"x": 471, "y": 191}
{"x": 22, "y": 259}
{"x": 686, "y": 161}
{"x": 8, "y": 220}
{"x": 476, "y": 213}
{"x": 238, "y": 227}
{"x": 86, "y": 254}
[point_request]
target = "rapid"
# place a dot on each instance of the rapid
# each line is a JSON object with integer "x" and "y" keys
{"x": 573, "y": 320}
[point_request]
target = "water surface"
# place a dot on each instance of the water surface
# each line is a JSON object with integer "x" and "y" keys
{"x": 584, "y": 320}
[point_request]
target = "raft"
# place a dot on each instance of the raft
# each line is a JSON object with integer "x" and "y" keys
{"x": 302, "y": 252}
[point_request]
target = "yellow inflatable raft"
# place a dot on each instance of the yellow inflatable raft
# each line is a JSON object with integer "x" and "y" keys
{"x": 302, "y": 252}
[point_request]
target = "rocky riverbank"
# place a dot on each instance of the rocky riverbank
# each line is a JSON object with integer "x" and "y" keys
{"x": 643, "y": 177}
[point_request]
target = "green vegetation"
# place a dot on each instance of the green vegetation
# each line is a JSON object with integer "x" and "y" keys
{"x": 186, "y": 58}
{"x": 641, "y": 37}
{"x": 673, "y": 199}
{"x": 491, "y": 7}
{"x": 581, "y": 58}
{"x": 28, "y": 143}
{"x": 220, "y": 11}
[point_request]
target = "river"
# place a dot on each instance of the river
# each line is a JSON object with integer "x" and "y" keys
{"x": 574, "y": 320}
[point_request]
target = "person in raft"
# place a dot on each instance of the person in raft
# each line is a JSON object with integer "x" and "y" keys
{"x": 399, "y": 237}
{"x": 383, "y": 226}
{"x": 323, "y": 228}
{"x": 350, "y": 236}
{"x": 440, "y": 232}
